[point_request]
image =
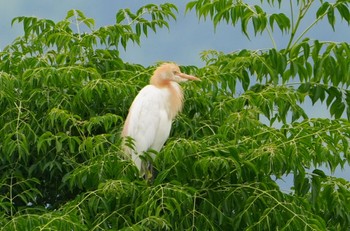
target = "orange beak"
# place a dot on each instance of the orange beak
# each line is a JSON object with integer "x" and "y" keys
{"x": 189, "y": 77}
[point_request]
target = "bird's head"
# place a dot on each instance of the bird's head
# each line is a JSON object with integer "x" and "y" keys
{"x": 169, "y": 72}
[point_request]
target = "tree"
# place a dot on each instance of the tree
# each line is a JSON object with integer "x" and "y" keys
{"x": 65, "y": 93}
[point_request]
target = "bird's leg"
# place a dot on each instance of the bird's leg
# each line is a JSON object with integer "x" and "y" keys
{"x": 148, "y": 173}
{"x": 154, "y": 172}
{"x": 151, "y": 172}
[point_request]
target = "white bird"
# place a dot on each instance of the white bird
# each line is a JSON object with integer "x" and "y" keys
{"x": 152, "y": 112}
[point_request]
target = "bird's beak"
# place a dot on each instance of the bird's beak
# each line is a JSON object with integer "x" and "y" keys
{"x": 188, "y": 77}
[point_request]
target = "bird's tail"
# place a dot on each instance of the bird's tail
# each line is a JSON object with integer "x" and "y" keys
{"x": 141, "y": 161}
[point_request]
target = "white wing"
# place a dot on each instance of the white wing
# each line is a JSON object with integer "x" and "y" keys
{"x": 148, "y": 121}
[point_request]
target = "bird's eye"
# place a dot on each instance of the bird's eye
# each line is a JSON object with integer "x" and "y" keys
{"x": 175, "y": 72}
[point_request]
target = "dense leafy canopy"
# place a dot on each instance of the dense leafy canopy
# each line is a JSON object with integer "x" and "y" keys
{"x": 65, "y": 92}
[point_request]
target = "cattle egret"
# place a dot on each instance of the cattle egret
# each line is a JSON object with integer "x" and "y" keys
{"x": 152, "y": 112}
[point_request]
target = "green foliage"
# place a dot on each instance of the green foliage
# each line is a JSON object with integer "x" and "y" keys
{"x": 65, "y": 92}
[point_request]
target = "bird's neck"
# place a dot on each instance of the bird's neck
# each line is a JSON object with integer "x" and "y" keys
{"x": 175, "y": 95}
{"x": 176, "y": 99}
{"x": 159, "y": 82}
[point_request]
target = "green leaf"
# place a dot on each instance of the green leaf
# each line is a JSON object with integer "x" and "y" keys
{"x": 70, "y": 14}
{"x": 337, "y": 108}
{"x": 245, "y": 80}
{"x": 344, "y": 11}
{"x": 190, "y": 6}
{"x": 316, "y": 50}
{"x": 120, "y": 16}
{"x": 323, "y": 9}
{"x": 333, "y": 92}
{"x": 283, "y": 22}
{"x": 317, "y": 93}
{"x": 331, "y": 17}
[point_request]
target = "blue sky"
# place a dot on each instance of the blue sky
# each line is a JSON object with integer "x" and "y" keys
{"x": 182, "y": 44}
{"x": 187, "y": 37}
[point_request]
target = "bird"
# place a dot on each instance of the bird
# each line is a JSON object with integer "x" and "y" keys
{"x": 151, "y": 114}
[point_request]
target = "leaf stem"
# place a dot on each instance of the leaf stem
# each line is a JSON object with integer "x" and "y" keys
{"x": 302, "y": 11}
{"x": 131, "y": 22}
{"x": 291, "y": 12}
{"x": 77, "y": 22}
{"x": 271, "y": 38}
{"x": 309, "y": 27}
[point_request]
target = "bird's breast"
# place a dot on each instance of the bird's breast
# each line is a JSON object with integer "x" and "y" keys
{"x": 175, "y": 99}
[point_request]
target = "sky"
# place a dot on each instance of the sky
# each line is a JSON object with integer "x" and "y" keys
{"x": 187, "y": 38}
{"x": 183, "y": 43}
